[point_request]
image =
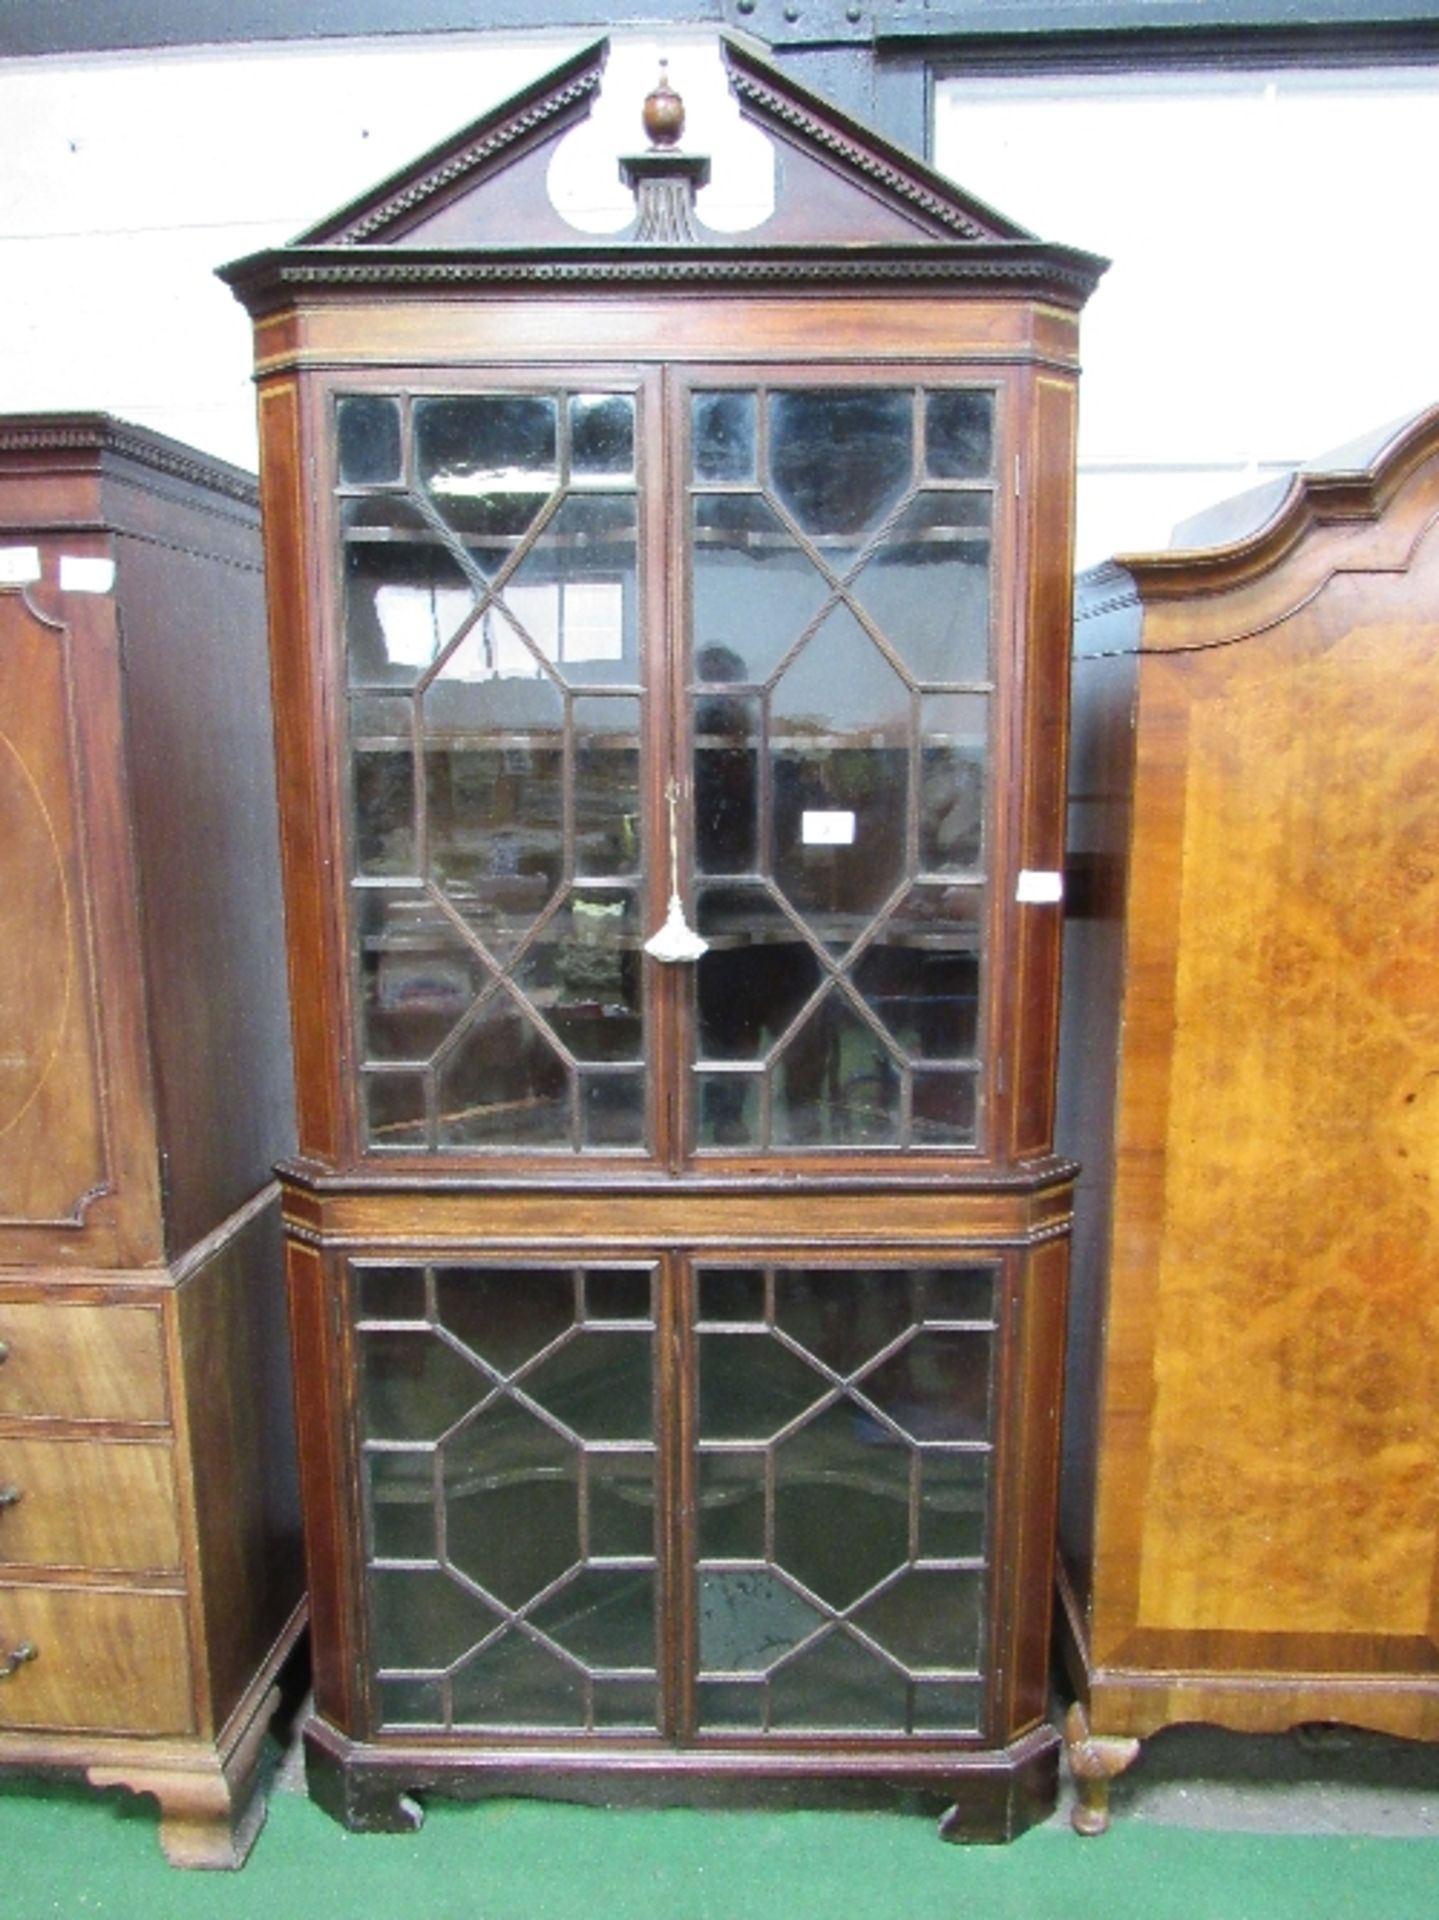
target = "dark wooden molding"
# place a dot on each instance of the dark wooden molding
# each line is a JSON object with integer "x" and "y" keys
{"x": 98, "y": 434}
{"x": 544, "y": 109}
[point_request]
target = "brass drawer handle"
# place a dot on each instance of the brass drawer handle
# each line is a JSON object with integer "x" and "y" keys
{"x": 4, "y": 1351}
{"x": 10, "y": 1496}
{"x": 26, "y": 1650}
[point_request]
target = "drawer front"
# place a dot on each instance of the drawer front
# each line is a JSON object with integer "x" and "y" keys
{"x": 104, "y": 1662}
{"x": 83, "y": 1503}
{"x": 82, "y": 1362}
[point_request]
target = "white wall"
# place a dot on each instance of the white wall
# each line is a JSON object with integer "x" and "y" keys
{"x": 1272, "y": 292}
{"x": 1273, "y": 289}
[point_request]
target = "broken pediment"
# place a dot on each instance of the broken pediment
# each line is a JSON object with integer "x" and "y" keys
{"x": 837, "y": 182}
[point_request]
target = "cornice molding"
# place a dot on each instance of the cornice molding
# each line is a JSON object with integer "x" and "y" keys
{"x": 100, "y": 434}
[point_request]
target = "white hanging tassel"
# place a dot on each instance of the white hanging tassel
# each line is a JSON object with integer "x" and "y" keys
{"x": 676, "y": 939}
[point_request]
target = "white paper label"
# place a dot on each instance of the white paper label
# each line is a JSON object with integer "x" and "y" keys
{"x": 19, "y": 565}
{"x": 82, "y": 573}
{"x": 827, "y": 829}
{"x": 1039, "y": 889}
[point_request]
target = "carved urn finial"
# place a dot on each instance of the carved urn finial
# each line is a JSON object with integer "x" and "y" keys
{"x": 664, "y": 111}
{"x": 664, "y": 181}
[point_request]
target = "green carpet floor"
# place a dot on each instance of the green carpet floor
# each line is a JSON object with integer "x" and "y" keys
{"x": 67, "y": 1852}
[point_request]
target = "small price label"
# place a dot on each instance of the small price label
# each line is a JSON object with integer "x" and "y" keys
{"x": 827, "y": 829}
{"x": 1038, "y": 888}
{"x": 19, "y": 566}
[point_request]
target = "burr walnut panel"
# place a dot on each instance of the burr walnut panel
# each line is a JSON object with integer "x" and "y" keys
{"x": 1251, "y": 1521}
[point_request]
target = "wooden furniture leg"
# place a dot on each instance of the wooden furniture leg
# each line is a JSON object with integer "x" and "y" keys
{"x": 1093, "y": 1763}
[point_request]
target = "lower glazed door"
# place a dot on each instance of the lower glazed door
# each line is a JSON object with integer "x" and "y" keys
{"x": 679, "y": 1501}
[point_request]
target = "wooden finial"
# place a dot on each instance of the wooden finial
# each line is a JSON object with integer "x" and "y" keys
{"x": 664, "y": 111}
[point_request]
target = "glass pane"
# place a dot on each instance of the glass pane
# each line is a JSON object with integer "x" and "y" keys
{"x": 518, "y": 1683}
{"x": 621, "y": 1293}
{"x": 503, "y": 1084}
{"x": 755, "y": 591}
{"x": 727, "y": 733}
{"x": 954, "y": 1504}
{"x": 600, "y": 1387}
{"x": 396, "y": 1112}
{"x": 840, "y": 718}
{"x": 841, "y": 458}
{"x": 489, "y": 461}
{"x": 400, "y": 1489}
{"x": 607, "y": 839}
{"x": 612, "y": 1110}
{"x": 921, "y": 974}
{"x": 384, "y": 784}
{"x": 748, "y": 1618}
{"x": 506, "y": 1315}
{"x": 731, "y": 1517}
{"x": 959, "y": 434}
{"x": 928, "y": 1620}
{"x": 390, "y": 1293}
{"x": 602, "y": 434}
{"x": 927, "y": 587}
{"x": 414, "y": 1386}
{"x": 422, "y": 1618}
{"x": 846, "y": 1318}
{"x": 757, "y": 975}
{"x": 936, "y": 1387}
{"x": 946, "y": 1109}
{"x": 731, "y": 1295}
{"x": 419, "y": 977}
{"x": 836, "y": 1083}
{"x": 838, "y": 1683}
{"x": 368, "y": 428}
{"x": 576, "y": 590}
{"x": 840, "y": 1464}
{"x": 511, "y": 1492}
{"x": 620, "y": 1499}
{"x": 406, "y": 597}
{"x": 723, "y": 436}
{"x": 954, "y": 754}
{"x": 582, "y": 974}
{"x": 730, "y": 1109}
{"x": 751, "y": 1387}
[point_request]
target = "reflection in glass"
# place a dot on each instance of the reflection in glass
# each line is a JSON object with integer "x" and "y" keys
{"x": 726, "y": 772}
{"x": 489, "y": 461}
{"x": 946, "y": 1109}
{"x": 612, "y": 1110}
{"x": 577, "y": 582}
{"x": 582, "y": 974}
{"x": 959, "y": 433}
{"x": 607, "y": 836}
{"x": 602, "y": 434}
{"x": 920, "y": 976}
{"x": 503, "y": 1084}
{"x": 835, "y": 1490}
{"x": 757, "y": 975}
{"x": 368, "y": 430}
{"x": 840, "y": 716}
{"x": 926, "y": 585}
{"x": 395, "y": 1111}
{"x": 384, "y": 784}
{"x": 755, "y": 590}
{"x": 836, "y": 1083}
{"x": 405, "y": 600}
{"x": 953, "y": 776}
{"x": 723, "y": 426}
{"x": 418, "y": 975}
{"x": 841, "y": 457}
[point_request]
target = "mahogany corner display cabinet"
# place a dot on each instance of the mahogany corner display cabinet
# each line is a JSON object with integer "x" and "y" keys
{"x": 151, "y": 1576}
{"x": 670, "y": 639}
{"x": 1250, "y": 1513}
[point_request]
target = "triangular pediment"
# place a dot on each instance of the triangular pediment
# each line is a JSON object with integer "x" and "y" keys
{"x": 837, "y": 182}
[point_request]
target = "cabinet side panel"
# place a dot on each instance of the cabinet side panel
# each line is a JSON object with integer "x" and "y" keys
{"x": 307, "y": 859}
{"x": 52, "y": 1136}
{"x": 202, "y": 786}
{"x": 1100, "y": 799}
{"x": 1276, "y": 1490}
{"x": 1040, "y": 765}
{"x": 240, "y": 1416}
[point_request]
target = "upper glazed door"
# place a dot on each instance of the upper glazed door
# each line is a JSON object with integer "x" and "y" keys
{"x": 606, "y": 645}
